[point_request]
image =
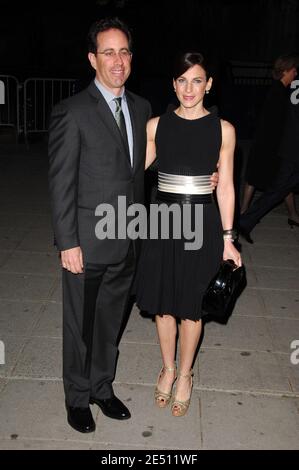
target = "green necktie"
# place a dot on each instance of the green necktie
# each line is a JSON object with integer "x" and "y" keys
{"x": 120, "y": 120}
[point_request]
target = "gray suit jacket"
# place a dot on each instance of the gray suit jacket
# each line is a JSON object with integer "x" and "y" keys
{"x": 89, "y": 165}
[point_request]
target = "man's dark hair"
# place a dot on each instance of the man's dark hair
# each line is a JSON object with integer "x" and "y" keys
{"x": 187, "y": 60}
{"x": 104, "y": 25}
{"x": 284, "y": 63}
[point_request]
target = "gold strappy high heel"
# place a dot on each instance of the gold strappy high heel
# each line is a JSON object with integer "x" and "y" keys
{"x": 178, "y": 407}
{"x": 162, "y": 399}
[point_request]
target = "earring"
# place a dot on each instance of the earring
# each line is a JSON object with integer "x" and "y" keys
{"x": 207, "y": 92}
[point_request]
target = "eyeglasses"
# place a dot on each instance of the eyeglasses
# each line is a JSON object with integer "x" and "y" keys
{"x": 111, "y": 53}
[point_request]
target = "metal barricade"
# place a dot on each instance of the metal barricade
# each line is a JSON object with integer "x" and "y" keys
{"x": 10, "y": 109}
{"x": 251, "y": 73}
{"x": 40, "y": 95}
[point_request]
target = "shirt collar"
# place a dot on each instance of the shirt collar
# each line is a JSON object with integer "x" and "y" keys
{"x": 107, "y": 94}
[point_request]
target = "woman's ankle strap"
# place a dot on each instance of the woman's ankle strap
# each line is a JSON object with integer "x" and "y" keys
{"x": 189, "y": 374}
{"x": 170, "y": 369}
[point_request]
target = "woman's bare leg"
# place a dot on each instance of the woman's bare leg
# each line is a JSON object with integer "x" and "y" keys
{"x": 190, "y": 332}
{"x": 167, "y": 331}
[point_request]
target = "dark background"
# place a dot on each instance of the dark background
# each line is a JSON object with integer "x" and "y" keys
{"x": 48, "y": 39}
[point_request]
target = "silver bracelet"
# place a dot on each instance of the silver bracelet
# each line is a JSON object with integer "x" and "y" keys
{"x": 230, "y": 234}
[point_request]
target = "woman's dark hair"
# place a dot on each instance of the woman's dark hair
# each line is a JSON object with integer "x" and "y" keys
{"x": 187, "y": 60}
{"x": 104, "y": 25}
{"x": 283, "y": 63}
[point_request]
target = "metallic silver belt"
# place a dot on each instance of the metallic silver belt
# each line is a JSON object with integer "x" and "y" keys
{"x": 182, "y": 184}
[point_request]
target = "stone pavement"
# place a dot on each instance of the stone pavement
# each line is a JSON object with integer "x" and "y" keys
{"x": 246, "y": 390}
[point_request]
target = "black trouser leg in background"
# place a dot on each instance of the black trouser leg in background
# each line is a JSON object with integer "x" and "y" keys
{"x": 287, "y": 180}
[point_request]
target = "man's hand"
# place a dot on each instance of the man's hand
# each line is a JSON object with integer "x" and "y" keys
{"x": 72, "y": 260}
{"x": 214, "y": 179}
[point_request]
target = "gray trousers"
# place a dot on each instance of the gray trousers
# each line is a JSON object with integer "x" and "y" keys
{"x": 94, "y": 305}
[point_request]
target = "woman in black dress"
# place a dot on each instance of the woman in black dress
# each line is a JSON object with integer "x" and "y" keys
{"x": 264, "y": 161}
{"x": 171, "y": 278}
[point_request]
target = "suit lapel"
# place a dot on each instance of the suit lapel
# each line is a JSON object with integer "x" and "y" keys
{"x": 135, "y": 127}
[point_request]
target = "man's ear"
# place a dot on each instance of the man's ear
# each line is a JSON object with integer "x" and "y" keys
{"x": 92, "y": 60}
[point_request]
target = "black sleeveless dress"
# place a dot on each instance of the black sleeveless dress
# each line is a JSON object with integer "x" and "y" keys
{"x": 170, "y": 279}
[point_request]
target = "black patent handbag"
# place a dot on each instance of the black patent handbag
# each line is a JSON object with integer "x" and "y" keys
{"x": 224, "y": 289}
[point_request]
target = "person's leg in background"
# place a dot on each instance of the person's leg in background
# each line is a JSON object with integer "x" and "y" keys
{"x": 293, "y": 216}
{"x": 287, "y": 180}
{"x": 247, "y": 197}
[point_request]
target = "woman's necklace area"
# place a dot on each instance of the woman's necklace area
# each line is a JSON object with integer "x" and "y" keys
{"x": 191, "y": 118}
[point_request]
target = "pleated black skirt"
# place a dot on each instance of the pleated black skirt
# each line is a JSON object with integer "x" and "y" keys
{"x": 172, "y": 280}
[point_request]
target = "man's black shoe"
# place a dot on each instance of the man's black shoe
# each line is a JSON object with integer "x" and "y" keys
{"x": 112, "y": 407}
{"x": 246, "y": 235}
{"x": 80, "y": 419}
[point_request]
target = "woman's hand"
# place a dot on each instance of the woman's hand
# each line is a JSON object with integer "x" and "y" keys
{"x": 214, "y": 180}
{"x": 231, "y": 252}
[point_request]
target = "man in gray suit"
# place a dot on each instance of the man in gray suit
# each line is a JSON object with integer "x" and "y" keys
{"x": 97, "y": 153}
